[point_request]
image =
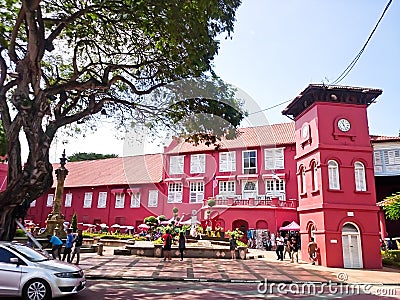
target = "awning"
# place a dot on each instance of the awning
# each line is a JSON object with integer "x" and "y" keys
{"x": 291, "y": 227}
{"x": 173, "y": 179}
{"x": 274, "y": 176}
{"x": 225, "y": 178}
{"x": 247, "y": 176}
{"x": 195, "y": 179}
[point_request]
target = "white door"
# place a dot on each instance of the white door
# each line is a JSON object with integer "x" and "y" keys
{"x": 351, "y": 244}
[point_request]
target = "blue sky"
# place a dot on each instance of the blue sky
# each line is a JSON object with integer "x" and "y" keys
{"x": 279, "y": 47}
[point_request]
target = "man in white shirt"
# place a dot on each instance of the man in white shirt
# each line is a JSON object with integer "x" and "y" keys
{"x": 279, "y": 246}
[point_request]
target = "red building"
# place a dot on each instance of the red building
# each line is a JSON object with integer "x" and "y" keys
{"x": 318, "y": 170}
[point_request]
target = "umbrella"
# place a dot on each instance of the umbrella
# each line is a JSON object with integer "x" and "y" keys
{"x": 102, "y": 225}
{"x": 116, "y": 226}
{"x": 130, "y": 227}
{"x": 291, "y": 227}
{"x": 143, "y": 226}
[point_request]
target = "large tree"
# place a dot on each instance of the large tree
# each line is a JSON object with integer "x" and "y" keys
{"x": 80, "y": 156}
{"x": 68, "y": 62}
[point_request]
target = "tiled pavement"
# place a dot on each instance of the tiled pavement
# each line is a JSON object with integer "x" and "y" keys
{"x": 110, "y": 266}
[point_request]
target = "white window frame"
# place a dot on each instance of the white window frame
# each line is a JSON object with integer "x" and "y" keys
{"x": 196, "y": 194}
{"x": 249, "y": 169}
{"x": 227, "y": 188}
{"x": 102, "y": 200}
{"x": 315, "y": 176}
{"x": 176, "y": 164}
{"x": 333, "y": 175}
{"x": 359, "y": 176}
{"x": 275, "y": 188}
{"x": 68, "y": 200}
{"x": 303, "y": 180}
{"x": 227, "y": 161}
{"x": 153, "y": 198}
{"x": 50, "y": 200}
{"x": 135, "y": 200}
{"x": 249, "y": 193}
{"x": 119, "y": 200}
{"x": 87, "y": 201}
{"x": 197, "y": 163}
{"x": 274, "y": 159}
{"x": 175, "y": 192}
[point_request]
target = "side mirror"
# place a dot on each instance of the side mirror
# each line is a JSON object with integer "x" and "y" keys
{"x": 14, "y": 260}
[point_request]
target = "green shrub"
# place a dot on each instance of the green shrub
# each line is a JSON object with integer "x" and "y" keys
{"x": 158, "y": 241}
{"x": 19, "y": 233}
{"x": 393, "y": 255}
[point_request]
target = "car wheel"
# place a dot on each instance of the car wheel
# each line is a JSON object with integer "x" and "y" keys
{"x": 36, "y": 289}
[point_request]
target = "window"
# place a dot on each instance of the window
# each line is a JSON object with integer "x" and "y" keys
{"x": 275, "y": 188}
{"x": 33, "y": 203}
{"x": 50, "y": 200}
{"x": 250, "y": 162}
{"x": 314, "y": 169}
{"x": 333, "y": 175}
{"x": 175, "y": 192}
{"x": 68, "y": 200}
{"x": 153, "y": 198}
{"x": 303, "y": 182}
{"x": 227, "y": 161}
{"x": 176, "y": 164}
{"x": 135, "y": 200}
{"x": 102, "y": 200}
{"x": 227, "y": 188}
{"x": 249, "y": 189}
{"x": 359, "y": 174}
{"x": 87, "y": 201}
{"x": 274, "y": 159}
{"x": 197, "y": 163}
{"x": 5, "y": 257}
{"x": 196, "y": 192}
{"x": 119, "y": 200}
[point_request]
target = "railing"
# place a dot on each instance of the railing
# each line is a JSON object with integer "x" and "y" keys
{"x": 261, "y": 200}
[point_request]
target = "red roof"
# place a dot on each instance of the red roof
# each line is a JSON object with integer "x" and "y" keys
{"x": 140, "y": 169}
{"x": 379, "y": 138}
{"x": 268, "y": 135}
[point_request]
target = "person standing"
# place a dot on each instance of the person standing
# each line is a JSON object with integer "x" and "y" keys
{"x": 232, "y": 247}
{"x": 182, "y": 244}
{"x": 56, "y": 245}
{"x": 312, "y": 250}
{"x": 167, "y": 237}
{"x": 280, "y": 241}
{"x": 287, "y": 248}
{"x": 77, "y": 249}
{"x": 68, "y": 245}
{"x": 294, "y": 246}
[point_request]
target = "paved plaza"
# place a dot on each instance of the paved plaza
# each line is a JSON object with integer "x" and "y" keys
{"x": 263, "y": 267}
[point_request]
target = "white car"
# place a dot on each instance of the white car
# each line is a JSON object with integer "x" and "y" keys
{"x": 36, "y": 276}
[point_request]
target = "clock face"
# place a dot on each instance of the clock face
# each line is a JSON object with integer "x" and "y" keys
{"x": 343, "y": 125}
{"x": 305, "y": 131}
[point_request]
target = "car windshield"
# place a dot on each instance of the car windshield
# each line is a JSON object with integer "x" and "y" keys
{"x": 29, "y": 253}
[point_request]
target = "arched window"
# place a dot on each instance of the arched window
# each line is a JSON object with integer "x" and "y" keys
{"x": 333, "y": 175}
{"x": 359, "y": 174}
{"x": 303, "y": 185}
{"x": 314, "y": 170}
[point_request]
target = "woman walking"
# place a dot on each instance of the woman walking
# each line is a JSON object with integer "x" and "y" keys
{"x": 182, "y": 244}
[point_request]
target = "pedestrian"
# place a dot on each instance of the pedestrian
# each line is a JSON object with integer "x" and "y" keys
{"x": 287, "y": 248}
{"x": 233, "y": 246}
{"x": 182, "y": 244}
{"x": 294, "y": 247}
{"x": 280, "y": 241}
{"x": 56, "y": 245}
{"x": 312, "y": 250}
{"x": 167, "y": 237}
{"x": 68, "y": 245}
{"x": 77, "y": 249}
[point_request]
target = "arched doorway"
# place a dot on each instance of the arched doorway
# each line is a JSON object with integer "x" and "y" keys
{"x": 351, "y": 245}
{"x": 261, "y": 224}
{"x": 242, "y": 225}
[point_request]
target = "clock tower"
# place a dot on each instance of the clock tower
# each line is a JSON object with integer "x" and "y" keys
{"x": 337, "y": 202}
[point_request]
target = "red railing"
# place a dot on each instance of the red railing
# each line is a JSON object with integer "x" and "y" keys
{"x": 236, "y": 201}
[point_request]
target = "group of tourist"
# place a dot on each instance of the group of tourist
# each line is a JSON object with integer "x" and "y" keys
{"x": 167, "y": 239}
{"x": 72, "y": 239}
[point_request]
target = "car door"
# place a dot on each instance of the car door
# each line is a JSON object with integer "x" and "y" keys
{"x": 10, "y": 273}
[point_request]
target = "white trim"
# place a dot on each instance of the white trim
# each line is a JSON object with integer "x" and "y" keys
{"x": 172, "y": 179}
{"x": 227, "y": 177}
{"x": 247, "y": 177}
{"x": 271, "y": 176}
{"x": 195, "y": 179}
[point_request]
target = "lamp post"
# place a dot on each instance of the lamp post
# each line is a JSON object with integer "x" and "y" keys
{"x": 55, "y": 220}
